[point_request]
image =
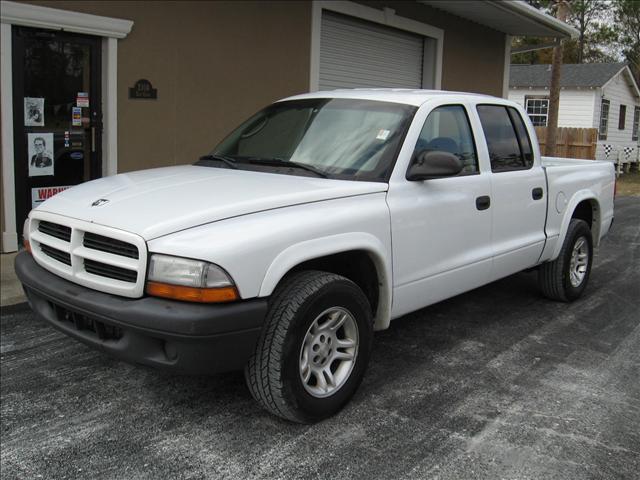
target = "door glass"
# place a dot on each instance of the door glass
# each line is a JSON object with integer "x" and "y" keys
{"x": 447, "y": 129}
{"x": 58, "y": 117}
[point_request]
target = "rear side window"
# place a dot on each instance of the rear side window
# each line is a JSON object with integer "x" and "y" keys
{"x": 523, "y": 137}
{"x": 508, "y": 150}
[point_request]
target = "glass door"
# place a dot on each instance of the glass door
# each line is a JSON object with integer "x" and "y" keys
{"x": 57, "y": 114}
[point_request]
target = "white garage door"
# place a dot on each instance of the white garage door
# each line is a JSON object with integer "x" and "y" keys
{"x": 356, "y": 54}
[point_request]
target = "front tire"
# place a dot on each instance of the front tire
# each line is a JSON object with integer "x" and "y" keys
{"x": 314, "y": 347}
{"x": 566, "y": 278}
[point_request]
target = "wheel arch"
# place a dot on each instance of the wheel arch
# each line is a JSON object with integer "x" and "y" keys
{"x": 584, "y": 205}
{"x": 355, "y": 256}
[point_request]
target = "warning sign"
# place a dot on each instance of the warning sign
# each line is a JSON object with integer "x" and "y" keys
{"x": 39, "y": 195}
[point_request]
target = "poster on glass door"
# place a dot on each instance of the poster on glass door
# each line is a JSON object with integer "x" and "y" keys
{"x": 40, "y": 156}
{"x": 33, "y": 112}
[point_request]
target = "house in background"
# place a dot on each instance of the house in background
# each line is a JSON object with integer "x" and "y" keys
{"x": 599, "y": 95}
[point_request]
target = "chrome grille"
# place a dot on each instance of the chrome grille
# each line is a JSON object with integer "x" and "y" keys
{"x": 55, "y": 230}
{"x": 110, "y": 271}
{"x": 59, "y": 255}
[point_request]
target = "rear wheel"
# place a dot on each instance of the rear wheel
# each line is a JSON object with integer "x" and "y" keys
{"x": 314, "y": 348}
{"x": 565, "y": 278}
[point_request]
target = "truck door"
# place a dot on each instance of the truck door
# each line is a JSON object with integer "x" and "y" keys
{"x": 441, "y": 228}
{"x": 518, "y": 191}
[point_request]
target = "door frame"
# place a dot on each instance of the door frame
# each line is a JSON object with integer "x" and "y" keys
{"x": 110, "y": 29}
{"x": 22, "y": 195}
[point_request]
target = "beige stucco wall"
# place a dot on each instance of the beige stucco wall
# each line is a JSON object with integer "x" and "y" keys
{"x": 214, "y": 63}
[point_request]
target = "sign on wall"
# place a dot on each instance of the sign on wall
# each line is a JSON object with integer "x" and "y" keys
{"x": 143, "y": 90}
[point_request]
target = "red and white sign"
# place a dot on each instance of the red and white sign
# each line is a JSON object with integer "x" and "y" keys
{"x": 82, "y": 100}
{"x": 39, "y": 195}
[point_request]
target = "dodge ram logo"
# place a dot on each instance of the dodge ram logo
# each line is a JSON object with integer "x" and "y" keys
{"x": 100, "y": 201}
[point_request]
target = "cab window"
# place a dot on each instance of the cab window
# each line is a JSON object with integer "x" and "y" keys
{"x": 507, "y": 139}
{"x": 447, "y": 129}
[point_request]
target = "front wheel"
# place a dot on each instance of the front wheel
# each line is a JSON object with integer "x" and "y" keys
{"x": 566, "y": 277}
{"x": 314, "y": 347}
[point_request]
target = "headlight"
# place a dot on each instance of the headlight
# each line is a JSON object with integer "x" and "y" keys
{"x": 25, "y": 235}
{"x": 189, "y": 280}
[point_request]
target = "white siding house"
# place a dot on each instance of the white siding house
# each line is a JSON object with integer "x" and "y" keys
{"x": 602, "y": 96}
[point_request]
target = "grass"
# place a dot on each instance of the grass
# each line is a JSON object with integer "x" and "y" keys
{"x": 629, "y": 184}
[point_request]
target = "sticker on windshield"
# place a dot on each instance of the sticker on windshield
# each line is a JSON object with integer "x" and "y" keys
{"x": 383, "y": 135}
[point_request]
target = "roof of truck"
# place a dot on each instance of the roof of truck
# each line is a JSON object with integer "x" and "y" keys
{"x": 397, "y": 95}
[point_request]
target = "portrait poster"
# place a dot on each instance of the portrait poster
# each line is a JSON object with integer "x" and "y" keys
{"x": 41, "y": 156}
{"x": 33, "y": 112}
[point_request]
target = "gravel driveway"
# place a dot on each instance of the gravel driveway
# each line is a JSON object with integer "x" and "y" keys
{"x": 496, "y": 383}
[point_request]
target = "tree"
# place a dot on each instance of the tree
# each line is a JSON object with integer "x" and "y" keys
{"x": 595, "y": 35}
{"x": 627, "y": 21}
{"x": 554, "y": 89}
{"x": 587, "y": 16}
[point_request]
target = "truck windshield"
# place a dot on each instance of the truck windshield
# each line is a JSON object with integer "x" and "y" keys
{"x": 333, "y": 138}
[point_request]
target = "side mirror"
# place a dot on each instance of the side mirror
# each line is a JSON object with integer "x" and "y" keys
{"x": 435, "y": 164}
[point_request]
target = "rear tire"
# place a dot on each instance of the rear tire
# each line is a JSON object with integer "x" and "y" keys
{"x": 566, "y": 278}
{"x": 314, "y": 347}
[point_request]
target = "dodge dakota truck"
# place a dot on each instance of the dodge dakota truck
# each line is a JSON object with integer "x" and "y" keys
{"x": 315, "y": 223}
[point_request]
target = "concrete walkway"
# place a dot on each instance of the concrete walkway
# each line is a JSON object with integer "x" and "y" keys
{"x": 11, "y": 291}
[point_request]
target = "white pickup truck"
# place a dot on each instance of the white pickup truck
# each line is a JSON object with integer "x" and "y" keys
{"x": 317, "y": 221}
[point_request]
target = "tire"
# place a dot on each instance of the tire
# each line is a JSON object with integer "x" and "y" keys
{"x": 297, "y": 347}
{"x": 564, "y": 279}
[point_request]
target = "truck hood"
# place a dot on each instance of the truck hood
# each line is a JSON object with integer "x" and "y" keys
{"x": 153, "y": 203}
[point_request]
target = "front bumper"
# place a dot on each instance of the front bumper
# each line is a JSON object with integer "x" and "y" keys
{"x": 177, "y": 336}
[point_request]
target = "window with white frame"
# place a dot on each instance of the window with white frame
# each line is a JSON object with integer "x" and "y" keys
{"x": 636, "y": 121}
{"x": 538, "y": 110}
{"x": 604, "y": 119}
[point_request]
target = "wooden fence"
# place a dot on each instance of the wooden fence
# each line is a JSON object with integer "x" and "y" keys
{"x": 571, "y": 142}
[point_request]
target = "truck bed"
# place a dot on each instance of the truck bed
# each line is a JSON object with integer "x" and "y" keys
{"x": 566, "y": 179}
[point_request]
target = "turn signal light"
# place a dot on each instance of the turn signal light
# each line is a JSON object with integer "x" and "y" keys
{"x": 193, "y": 294}
{"x": 26, "y": 245}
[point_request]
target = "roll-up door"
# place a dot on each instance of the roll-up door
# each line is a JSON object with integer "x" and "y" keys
{"x": 356, "y": 54}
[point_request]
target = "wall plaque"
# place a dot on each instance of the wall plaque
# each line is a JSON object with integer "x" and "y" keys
{"x": 144, "y": 90}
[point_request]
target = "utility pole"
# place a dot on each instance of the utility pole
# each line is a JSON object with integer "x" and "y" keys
{"x": 554, "y": 90}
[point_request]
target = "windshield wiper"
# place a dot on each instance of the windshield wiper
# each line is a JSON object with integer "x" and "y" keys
{"x": 228, "y": 161}
{"x": 279, "y": 162}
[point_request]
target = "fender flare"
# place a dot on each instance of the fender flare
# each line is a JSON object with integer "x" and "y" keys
{"x": 330, "y": 245}
{"x": 577, "y": 198}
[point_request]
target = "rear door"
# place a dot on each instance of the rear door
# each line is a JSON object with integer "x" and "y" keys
{"x": 518, "y": 191}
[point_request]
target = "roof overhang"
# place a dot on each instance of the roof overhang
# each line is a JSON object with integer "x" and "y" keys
{"x": 513, "y": 17}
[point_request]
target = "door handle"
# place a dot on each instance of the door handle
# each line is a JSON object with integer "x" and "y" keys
{"x": 537, "y": 193}
{"x": 93, "y": 139}
{"x": 484, "y": 202}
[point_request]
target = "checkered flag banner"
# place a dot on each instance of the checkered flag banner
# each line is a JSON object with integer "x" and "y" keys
{"x": 607, "y": 150}
{"x": 628, "y": 151}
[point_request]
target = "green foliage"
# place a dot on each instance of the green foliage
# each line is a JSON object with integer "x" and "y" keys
{"x": 627, "y": 24}
{"x": 592, "y": 19}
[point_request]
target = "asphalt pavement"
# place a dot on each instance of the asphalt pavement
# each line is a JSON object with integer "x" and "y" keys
{"x": 495, "y": 383}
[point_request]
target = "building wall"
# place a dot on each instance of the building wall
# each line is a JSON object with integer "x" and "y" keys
{"x": 618, "y": 92}
{"x": 473, "y": 55}
{"x": 576, "y": 106}
{"x": 213, "y": 63}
